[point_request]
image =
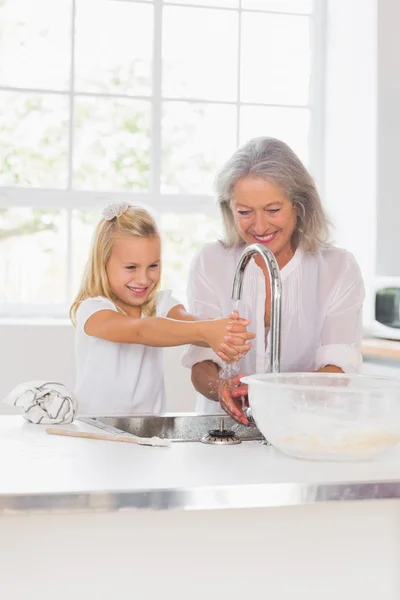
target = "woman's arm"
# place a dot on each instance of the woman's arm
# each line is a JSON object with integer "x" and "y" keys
{"x": 340, "y": 349}
{"x": 330, "y": 369}
{"x": 205, "y": 379}
{"x": 162, "y": 332}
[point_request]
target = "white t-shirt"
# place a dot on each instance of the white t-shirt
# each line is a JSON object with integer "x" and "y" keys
{"x": 322, "y": 299}
{"x": 118, "y": 379}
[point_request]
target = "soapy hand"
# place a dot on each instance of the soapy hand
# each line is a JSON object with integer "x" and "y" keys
{"x": 233, "y": 348}
{"x": 229, "y": 337}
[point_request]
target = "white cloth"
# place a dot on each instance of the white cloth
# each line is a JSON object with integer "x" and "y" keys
{"x": 118, "y": 379}
{"x": 44, "y": 402}
{"x": 322, "y": 299}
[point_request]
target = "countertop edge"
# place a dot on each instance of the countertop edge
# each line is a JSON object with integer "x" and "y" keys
{"x": 380, "y": 348}
{"x": 270, "y": 495}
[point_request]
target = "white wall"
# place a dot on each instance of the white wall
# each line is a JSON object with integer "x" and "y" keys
{"x": 40, "y": 351}
{"x": 388, "y": 215}
{"x": 350, "y": 155}
{"x": 362, "y": 132}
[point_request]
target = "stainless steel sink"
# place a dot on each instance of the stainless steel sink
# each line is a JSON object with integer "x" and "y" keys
{"x": 178, "y": 427}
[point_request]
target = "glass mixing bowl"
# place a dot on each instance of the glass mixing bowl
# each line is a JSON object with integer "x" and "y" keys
{"x": 326, "y": 416}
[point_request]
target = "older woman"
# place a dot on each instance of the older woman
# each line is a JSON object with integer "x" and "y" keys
{"x": 266, "y": 196}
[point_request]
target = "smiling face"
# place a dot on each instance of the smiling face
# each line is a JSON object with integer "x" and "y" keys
{"x": 133, "y": 270}
{"x": 263, "y": 214}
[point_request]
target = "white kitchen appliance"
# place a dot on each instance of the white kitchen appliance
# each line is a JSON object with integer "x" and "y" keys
{"x": 384, "y": 317}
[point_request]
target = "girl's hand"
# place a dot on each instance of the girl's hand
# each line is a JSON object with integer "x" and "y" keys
{"x": 228, "y": 337}
{"x": 234, "y": 340}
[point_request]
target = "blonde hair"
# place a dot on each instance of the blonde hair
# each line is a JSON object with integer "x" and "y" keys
{"x": 273, "y": 160}
{"x": 133, "y": 222}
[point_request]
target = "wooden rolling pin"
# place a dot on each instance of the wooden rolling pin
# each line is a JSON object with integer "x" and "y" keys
{"x": 153, "y": 441}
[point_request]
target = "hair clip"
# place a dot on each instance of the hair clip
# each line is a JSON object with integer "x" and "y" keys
{"x": 114, "y": 209}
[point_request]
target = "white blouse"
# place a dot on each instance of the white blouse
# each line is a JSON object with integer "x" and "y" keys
{"x": 322, "y": 299}
{"x": 118, "y": 379}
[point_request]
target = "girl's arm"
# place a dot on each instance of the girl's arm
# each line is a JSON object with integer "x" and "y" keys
{"x": 162, "y": 332}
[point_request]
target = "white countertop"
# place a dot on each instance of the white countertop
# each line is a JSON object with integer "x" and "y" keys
{"x": 45, "y": 472}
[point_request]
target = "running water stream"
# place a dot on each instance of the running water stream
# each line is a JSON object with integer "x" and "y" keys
{"x": 232, "y": 368}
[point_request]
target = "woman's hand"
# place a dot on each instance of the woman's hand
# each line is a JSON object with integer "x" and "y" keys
{"x": 228, "y": 337}
{"x": 232, "y": 396}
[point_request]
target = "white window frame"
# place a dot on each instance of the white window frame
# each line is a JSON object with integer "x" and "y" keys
{"x": 69, "y": 199}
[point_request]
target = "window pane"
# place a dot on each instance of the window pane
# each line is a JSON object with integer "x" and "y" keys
{"x": 112, "y": 144}
{"x": 289, "y": 6}
{"x": 35, "y": 43}
{"x": 288, "y": 124}
{"x": 275, "y": 59}
{"x": 200, "y": 54}
{"x": 183, "y": 236}
{"x": 32, "y": 256}
{"x": 33, "y": 140}
{"x": 196, "y": 139}
{"x": 83, "y": 224}
{"x": 114, "y": 49}
{"x": 217, "y": 3}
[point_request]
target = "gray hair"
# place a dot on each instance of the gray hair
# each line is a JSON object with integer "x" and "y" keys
{"x": 273, "y": 160}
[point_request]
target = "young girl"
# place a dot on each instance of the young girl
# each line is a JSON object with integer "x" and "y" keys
{"x": 118, "y": 352}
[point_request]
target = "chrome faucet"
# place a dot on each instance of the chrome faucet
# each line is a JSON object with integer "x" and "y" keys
{"x": 276, "y": 296}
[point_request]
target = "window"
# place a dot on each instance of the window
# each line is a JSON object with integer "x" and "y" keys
{"x": 137, "y": 99}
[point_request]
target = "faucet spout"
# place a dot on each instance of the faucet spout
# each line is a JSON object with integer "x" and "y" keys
{"x": 276, "y": 296}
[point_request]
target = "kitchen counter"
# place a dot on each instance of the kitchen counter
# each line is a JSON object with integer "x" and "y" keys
{"x": 376, "y": 348}
{"x": 96, "y": 519}
{"x": 46, "y": 472}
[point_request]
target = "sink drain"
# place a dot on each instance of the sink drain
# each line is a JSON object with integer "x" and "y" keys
{"x": 221, "y": 436}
